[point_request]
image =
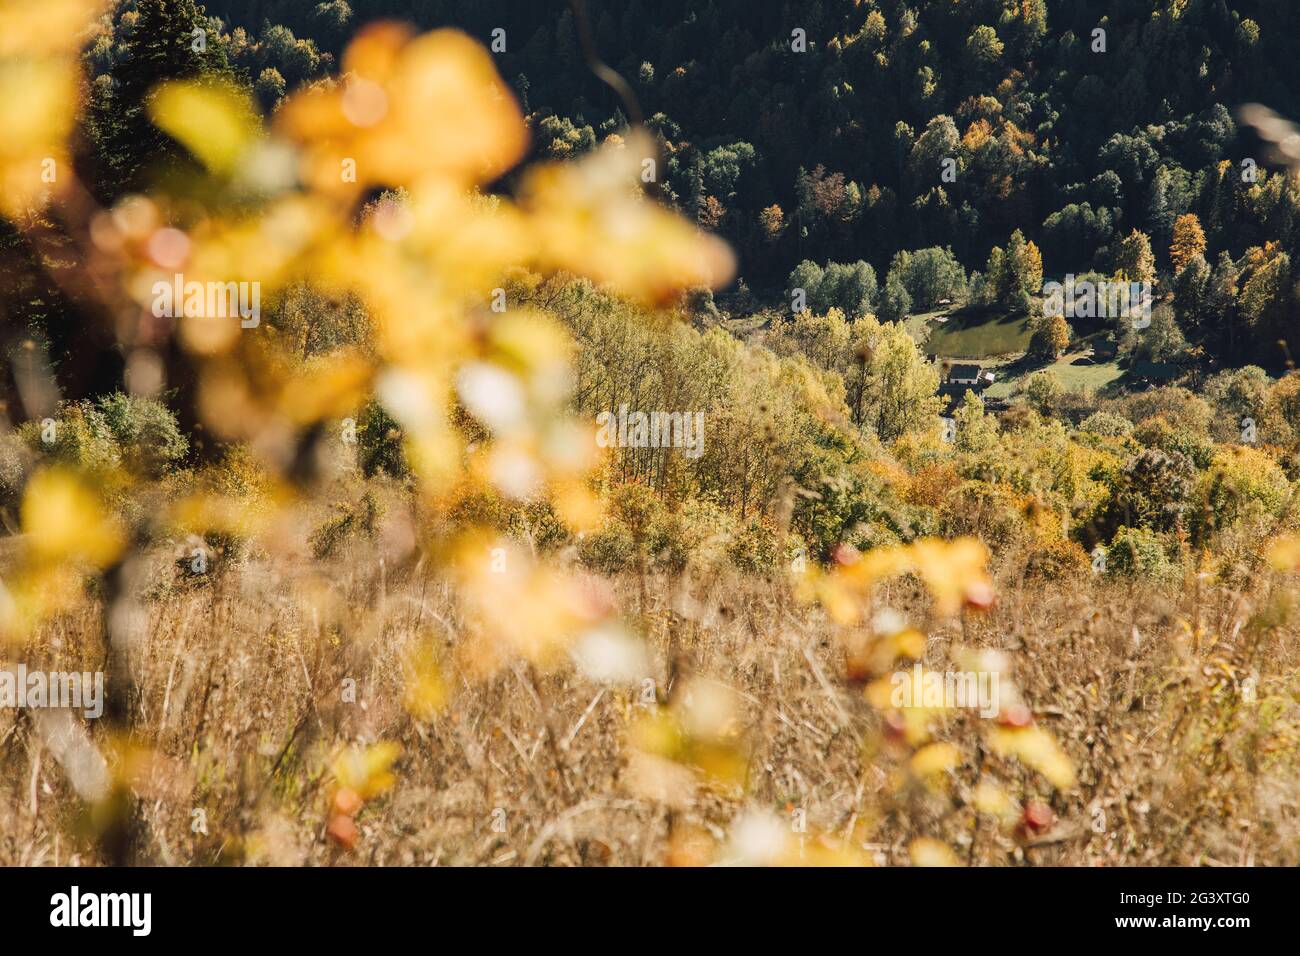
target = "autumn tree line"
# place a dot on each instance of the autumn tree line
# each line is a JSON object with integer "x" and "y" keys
{"x": 884, "y": 158}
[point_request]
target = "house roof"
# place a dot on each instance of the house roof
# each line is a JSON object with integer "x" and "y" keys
{"x": 964, "y": 371}
{"x": 1154, "y": 370}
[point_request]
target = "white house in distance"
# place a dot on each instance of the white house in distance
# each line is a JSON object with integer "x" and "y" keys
{"x": 969, "y": 375}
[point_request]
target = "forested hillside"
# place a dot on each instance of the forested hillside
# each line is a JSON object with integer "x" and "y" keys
{"x": 805, "y": 134}
{"x": 539, "y": 432}
{"x": 835, "y": 152}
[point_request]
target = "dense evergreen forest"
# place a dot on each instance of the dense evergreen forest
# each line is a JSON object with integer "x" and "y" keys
{"x": 853, "y": 134}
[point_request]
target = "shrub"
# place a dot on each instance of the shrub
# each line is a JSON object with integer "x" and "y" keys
{"x": 672, "y": 541}
{"x": 536, "y": 521}
{"x": 988, "y": 512}
{"x": 1179, "y": 406}
{"x": 13, "y": 469}
{"x": 1107, "y": 425}
{"x": 641, "y": 527}
{"x": 610, "y": 550}
{"x": 479, "y": 508}
{"x": 1243, "y": 481}
{"x": 79, "y": 437}
{"x": 137, "y": 433}
{"x": 350, "y": 521}
{"x": 1155, "y": 489}
{"x": 638, "y": 509}
{"x": 238, "y": 474}
{"x": 754, "y": 548}
{"x": 1139, "y": 553}
{"x": 379, "y": 443}
{"x": 1057, "y": 560}
{"x": 1158, "y": 433}
{"x": 148, "y": 436}
{"x": 1043, "y": 391}
{"x": 874, "y": 534}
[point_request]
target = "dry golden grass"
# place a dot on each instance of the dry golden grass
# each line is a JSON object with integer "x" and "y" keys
{"x": 241, "y": 708}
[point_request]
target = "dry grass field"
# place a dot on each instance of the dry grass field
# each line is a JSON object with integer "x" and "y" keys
{"x": 241, "y": 707}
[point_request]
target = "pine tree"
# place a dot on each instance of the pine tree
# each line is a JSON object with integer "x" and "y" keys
{"x": 1021, "y": 275}
{"x": 1159, "y": 210}
{"x": 1191, "y": 288}
{"x": 170, "y": 41}
{"x": 1221, "y": 302}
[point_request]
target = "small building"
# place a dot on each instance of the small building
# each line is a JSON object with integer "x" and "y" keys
{"x": 1155, "y": 373}
{"x": 964, "y": 375}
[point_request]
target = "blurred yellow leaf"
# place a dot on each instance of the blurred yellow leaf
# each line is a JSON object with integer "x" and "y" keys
{"x": 926, "y": 851}
{"x": 994, "y": 801}
{"x": 592, "y": 218}
{"x": 1284, "y": 553}
{"x": 367, "y": 771}
{"x": 64, "y": 521}
{"x": 215, "y": 121}
{"x": 426, "y": 690}
{"x": 44, "y": 28}
{"x": 935, "y": 759}
{"x": 407, "y": 109}
{"x": 1035, "y": 748}
{"x": 39, "y": 81}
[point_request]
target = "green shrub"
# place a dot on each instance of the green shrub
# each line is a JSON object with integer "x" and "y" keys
{"x": 610, "y": 550}
{"x": 1106, "y": 424}
{"x": 1139, "y": 553}
{"x": 1158, "y": 433}
{"x": 147, "y": 434}
{"x": 1043, "y": 391}
{"x": 670, "y": 543}
{"x": 79, "y": 436}
{"x": 139, "y": 434}
{"x": 874, "y": 534}
{"x": 379, "y": 443}
{"x": 537, "y": 522}
{"x": 1156, "y": 490}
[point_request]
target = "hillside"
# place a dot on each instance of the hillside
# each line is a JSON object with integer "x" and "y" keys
{"x": 639, "y": 434}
